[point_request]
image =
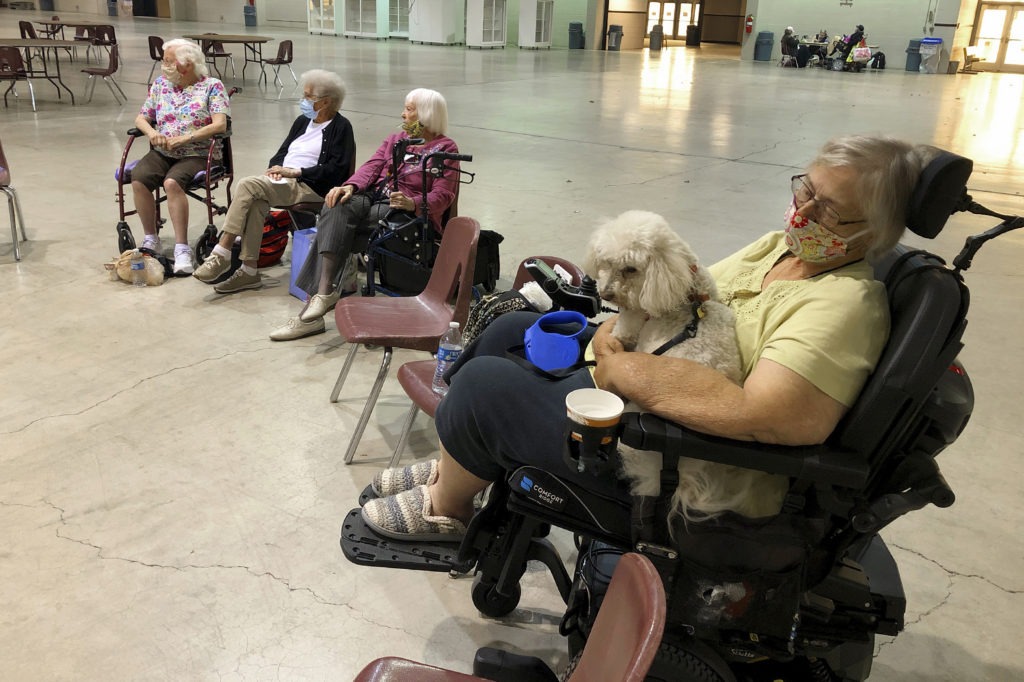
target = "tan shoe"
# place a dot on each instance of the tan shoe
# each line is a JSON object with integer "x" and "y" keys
{"x": 296, "y": 329}
{"x": 240, "y": 281}
{"x": 318, "y": 306}
{"x": 212, "y": 268}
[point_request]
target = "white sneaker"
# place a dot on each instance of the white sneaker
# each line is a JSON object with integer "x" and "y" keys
{"x": 152, "y": 242}
{"x": 183, "y": 263}
{"x": 296, "y": 329}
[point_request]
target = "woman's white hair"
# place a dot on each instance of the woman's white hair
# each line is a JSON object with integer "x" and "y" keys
{"x": 187, "y": 52}
{"x": 325, "y": 84}
{"x": 431, "y": 109}
{"x": 887, "y": 172}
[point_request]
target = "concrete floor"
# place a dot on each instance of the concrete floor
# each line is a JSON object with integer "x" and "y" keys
{"x": 171, "y": 484}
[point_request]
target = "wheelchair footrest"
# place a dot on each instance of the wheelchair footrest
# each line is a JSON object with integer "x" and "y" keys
{"x": 362, "y": 546}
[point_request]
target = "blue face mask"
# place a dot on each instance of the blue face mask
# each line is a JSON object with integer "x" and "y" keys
{"x": 306, "y": 107}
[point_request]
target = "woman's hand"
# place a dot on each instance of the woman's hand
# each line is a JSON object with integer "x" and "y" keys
{"x": 159, "y": 141}
{"x": 175, "y": 142}
{"x": 402, "y": 202}
{"x": 339, "y": 195}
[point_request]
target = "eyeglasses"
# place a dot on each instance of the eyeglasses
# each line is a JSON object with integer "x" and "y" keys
{"x": 828, "y": 216}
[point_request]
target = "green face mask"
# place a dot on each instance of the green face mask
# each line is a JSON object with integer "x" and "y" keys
{"x": 414, "y": 129}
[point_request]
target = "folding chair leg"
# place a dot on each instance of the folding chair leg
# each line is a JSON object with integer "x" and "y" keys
{"x": 277, "y": 75}
{"x": 344, "y": 372}
{"x": 263, "y": 73}
{"x": 91, "y": 88}
{"x": 378, "y": 383}
{"x": 293, "y": 74}
{"x": 113, "y": 92}
{"x": 9, "y": 191}
{"x": 14, "y": 227}
{"x": 403, "y": 439}
{"x": 110, "y": 81}
{"x": 151, "y": 70}
{"x": 32, "y": 94}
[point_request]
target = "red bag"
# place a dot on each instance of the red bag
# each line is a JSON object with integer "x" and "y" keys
{"x": 276, "y": 229}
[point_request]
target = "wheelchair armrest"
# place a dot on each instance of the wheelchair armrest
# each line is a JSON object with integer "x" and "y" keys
{"x": 817, "y": 463}
{"x": 135, "y": 132}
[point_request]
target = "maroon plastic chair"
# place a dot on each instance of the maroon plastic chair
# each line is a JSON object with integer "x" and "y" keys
{"x": 156, "y": 53}
{"x": 412, "y": 322}
{"x": 214, "y": 50}
{"x": 13, "y": 205}
{"x": 417, "y": 376}
{"x": 107, "y": 75}
{"x": 621, "y": 646}
{"x": 283, "y": 58}
{"x": 12, "y": 68}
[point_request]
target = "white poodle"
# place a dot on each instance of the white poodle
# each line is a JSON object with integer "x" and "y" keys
{"x": 642, "y": 266}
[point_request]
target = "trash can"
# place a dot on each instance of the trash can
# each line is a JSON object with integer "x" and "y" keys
{"x": 576, "y": 38}
{"x": 614, "y": 37}
{"x": 693, "y": 35}
{"x": 914, "y": 56}
{"x": 931, "y": 54}
{"x": 763, "y": 46}
{"x": 112, "y": 8}
{"x": 249, "y": 12}
{"x": 46, "y": 5}
{"x": 657, "y": 38}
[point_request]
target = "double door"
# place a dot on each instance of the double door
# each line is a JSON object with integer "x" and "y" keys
{"x": 674, "y": 17}
{"x": 999, "y": 37}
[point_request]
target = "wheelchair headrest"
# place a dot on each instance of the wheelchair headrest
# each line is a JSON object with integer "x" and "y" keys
{"x": 939, "y": 189}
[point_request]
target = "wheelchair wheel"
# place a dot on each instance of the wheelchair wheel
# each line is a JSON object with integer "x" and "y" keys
{"x": 688, "y": 661}
{"x": 125, "y": 239}
{"x": 205, "y": 244}
{"x": 489, "y": 602}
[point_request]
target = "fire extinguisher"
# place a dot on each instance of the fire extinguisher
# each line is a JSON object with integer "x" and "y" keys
{"x": 750, "y": 23}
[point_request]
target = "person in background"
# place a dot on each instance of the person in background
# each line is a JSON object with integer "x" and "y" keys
{"x": 185, "y": 108}
{"x": 356, "y": 207}
{"x": 318, "y": 151}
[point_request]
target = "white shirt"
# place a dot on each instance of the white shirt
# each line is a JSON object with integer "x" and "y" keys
{"x": 304, "y": 151}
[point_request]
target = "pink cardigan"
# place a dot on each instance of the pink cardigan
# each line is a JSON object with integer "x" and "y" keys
{"x": 440, "y": 190}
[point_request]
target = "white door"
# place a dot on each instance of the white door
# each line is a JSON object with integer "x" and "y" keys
{"x": 999, "y": 38}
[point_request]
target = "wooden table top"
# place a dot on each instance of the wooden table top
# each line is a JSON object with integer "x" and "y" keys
{"x": 229, "y": 38}
{"x": 37, "y": 42}
{"x": 80, "y": 23}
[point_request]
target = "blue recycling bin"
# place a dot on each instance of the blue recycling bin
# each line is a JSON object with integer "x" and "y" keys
{"x": 249, "y": 12}
{"x": 614, "y": 37}
{"x": 763, "y": 46}
{"x": 577, "y": 40}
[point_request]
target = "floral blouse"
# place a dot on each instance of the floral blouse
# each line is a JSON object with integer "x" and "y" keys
{"x": 179, "y": 111}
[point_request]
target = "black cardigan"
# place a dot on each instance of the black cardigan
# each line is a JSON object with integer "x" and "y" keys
{"x": 337, "y": 154}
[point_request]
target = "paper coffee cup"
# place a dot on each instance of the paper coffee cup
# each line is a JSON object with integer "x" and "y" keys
{"x": 594, "y": 407}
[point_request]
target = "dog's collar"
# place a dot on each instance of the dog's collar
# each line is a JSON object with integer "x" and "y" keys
{"x": 688, "y": 333}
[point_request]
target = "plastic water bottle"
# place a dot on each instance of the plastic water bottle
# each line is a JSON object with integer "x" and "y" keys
{"x": 138, "y": 267}
{"x": 448, "y": 351}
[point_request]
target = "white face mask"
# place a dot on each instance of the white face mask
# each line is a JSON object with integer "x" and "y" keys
{"x": 813, "y": 243}
{"x": 171, "y": 73}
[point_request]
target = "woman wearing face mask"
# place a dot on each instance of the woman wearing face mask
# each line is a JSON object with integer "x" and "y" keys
{"x": 811, "y": 322}
{"x": 353, "y": 209}
{"x": 318, "y": 151}
{"x": 185, "y": 108}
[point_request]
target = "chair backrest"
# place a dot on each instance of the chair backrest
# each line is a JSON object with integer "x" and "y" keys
{"x": 629, "y": 626}
{"x": 11, "y": 63}
{"x": 156, "y": 48}
{"x": 284, "y": 52}
{"x": 452, "y": 275}
{"x": 523, "y": 275}
{"x": 28, "y": 32}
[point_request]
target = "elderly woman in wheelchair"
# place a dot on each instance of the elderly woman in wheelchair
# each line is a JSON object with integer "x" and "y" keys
{"x": 185, "y": 108}
{"x": 797, "y": 595}
{"x": 391, "y": 181}
{"x": 811, "y": 323}
{"x": 318, "y": 151}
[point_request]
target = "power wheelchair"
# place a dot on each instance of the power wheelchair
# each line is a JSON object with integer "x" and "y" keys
{"x": 201, "y": 189}
{"x": 799, "y": 596}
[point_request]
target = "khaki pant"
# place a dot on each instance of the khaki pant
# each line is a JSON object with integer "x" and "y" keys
{"x": 252, "y": 200}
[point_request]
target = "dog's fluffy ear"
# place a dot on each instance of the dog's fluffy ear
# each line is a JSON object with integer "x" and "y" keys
{"x": 597, "y": 249}
{"x": 669, "y": 280}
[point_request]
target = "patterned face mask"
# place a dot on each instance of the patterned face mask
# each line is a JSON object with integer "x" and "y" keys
{"x": 812, "y": 243}
{"x": 413, "y": 128}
